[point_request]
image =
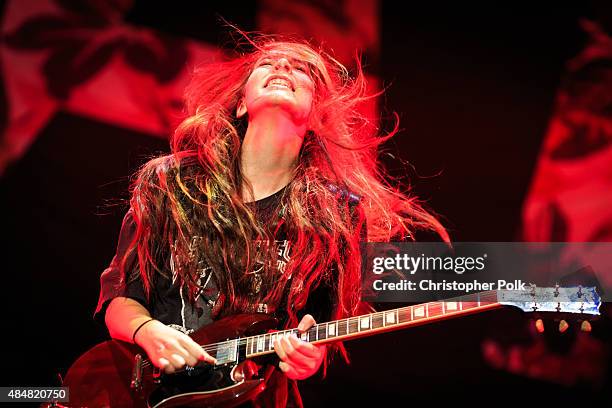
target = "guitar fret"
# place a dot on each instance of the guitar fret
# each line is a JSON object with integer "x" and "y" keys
{"x": 436, "y": 309}
{"x": 377, "y": 320}
{"x": 402, "y": 315}
{"x": 342, "y": 332}
{"x": 272, "y": 340}
{"x": 419, "y": 312}
{"x": 389, "y": 318}
{"x": 312, "y": 333}
{"x": 331, "y": 330}
{"x": 260, "y": 340}
{"x": 351, "y": 325}
{"x": 365, "y": 322}
{"x": 470, "y": 302}
{"x": 321, "y": 334}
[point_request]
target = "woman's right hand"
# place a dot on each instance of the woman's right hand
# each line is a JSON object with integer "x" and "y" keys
{"x": 169, "y": 349}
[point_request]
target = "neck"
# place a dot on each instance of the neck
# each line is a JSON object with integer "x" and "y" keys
{"x": 269, "y": 153}
{"x": 378, "y": 322}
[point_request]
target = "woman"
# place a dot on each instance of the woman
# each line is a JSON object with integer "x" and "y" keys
{"x": 260, "y": 207}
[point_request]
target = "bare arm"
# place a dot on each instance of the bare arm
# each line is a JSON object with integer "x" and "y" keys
{"x": 168, "y": 349}
{"x": 123, "y": 317}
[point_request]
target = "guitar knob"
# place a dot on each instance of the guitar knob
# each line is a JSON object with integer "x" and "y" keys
{"x": 585, "y": 326}
{"x": 563, "y": 326}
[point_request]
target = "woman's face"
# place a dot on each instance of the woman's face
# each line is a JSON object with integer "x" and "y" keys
{"x": 280, "y": 81}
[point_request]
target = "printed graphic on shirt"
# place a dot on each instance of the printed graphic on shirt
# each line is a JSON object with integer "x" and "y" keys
{"x": 191, "y": 316}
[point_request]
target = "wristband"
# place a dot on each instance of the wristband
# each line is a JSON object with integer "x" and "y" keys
{"x": 140, "y": 327}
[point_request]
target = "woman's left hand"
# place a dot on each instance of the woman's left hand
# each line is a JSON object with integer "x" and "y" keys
{"x": 299, "y": 359}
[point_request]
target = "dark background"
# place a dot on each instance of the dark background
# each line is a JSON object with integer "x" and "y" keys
{"x": 474, "y": 89}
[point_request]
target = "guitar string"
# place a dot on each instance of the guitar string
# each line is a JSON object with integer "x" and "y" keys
{"x": 354, "y": 320}
{"x": 489, "y": 297}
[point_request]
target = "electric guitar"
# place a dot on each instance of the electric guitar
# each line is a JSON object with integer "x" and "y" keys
{"x": 118, "y": 374}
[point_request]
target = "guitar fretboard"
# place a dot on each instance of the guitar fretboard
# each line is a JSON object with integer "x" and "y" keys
{"x": 388, "y": 320}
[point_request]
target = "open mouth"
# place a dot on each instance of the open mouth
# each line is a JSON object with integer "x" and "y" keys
{"x": 279, "y": 82}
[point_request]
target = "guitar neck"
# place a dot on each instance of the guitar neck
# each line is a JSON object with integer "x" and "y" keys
{"x": 377, "y": 322}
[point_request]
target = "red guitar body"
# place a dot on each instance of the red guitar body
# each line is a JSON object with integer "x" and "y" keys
{"x": 116, "y": 374}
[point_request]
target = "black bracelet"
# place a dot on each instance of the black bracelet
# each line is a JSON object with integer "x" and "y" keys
{"x": 138, "y": 328}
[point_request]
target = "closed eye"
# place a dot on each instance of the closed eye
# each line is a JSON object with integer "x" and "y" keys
{"x": 300, "y": 66}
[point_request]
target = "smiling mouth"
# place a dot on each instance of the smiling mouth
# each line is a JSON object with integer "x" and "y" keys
{"x": 279, "y": 82}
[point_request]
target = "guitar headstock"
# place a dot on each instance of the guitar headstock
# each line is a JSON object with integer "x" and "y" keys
{"x": 570, "y": 300}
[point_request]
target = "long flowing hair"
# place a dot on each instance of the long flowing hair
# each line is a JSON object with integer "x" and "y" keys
{"x": 189, "y": 204}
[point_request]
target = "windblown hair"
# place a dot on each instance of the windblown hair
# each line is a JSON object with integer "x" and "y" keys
{"x": 190, "y": 202}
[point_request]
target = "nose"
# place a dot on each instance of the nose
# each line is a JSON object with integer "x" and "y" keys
{"x": 283, "y": 63}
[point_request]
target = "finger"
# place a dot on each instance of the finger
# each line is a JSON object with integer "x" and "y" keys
{"x": 304, "y": 348}
{"x": 208, "y": 358}
{"x": 196, "y": 351}
{"x": 190, "y": 359}
{"x": 174, "y": 347}
{"x": 187, "y": 358}
{"x": 177, "y": 361}
{"x": 306, "y": 323}
{"x": 165, "y": 365}
{"x": 295, "y": 358}
{"x": 292, "y": 372}
{"x": 287, "y": 347}
{"x": 280, "y": 351}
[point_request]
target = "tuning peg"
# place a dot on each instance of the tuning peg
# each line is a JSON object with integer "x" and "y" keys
{"x": 539, "y": 325}
{"x": 585, "y": 326}
{"x": 563, "y": 326}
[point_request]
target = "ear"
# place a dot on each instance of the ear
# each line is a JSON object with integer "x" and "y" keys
{"x": 241, "y": 108}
